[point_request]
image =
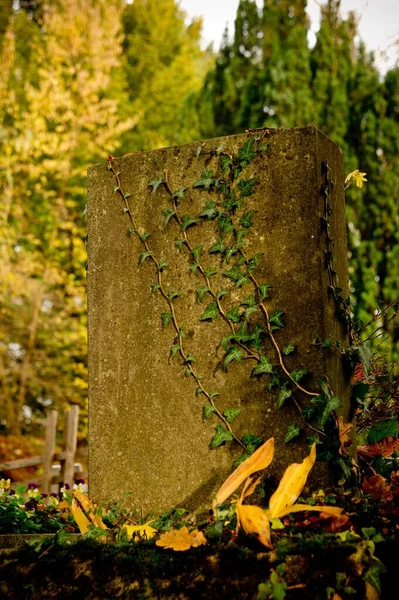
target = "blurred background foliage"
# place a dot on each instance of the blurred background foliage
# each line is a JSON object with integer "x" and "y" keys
{"x": 84, "y": 78}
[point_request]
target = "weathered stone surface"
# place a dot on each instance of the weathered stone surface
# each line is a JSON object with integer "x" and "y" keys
{"x": 146, "y": 431}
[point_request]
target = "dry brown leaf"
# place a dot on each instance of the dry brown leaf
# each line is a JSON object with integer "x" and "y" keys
{"x": 254, "y": 520}
{"x": 377, "y": 486}
{"x": 259, "y": 460}
{"x": 181, "y": 539}
{"x": 291, "y": 486}
{"x": 385, "y": 447}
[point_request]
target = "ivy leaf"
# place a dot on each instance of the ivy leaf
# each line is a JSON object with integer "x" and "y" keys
{"x": 179, "y": 194}
{"x": 264, "y": 366}
{"x": 166, "y": 318}
{"x": 206, "y": 180}
{"x": 174, "y": 349}
{"x": 251, "y": 310}
{"x": 219, "y": 150}
{"x": 240, "y": 234}
{"x": 196, "y": 252}
{"x": 116, "y": 189}
{"x": 132, "y": 230}
{"x": 221, "y": 436}
{"x": 225, "y": 224}
{"x": 162, "y": 265}
{"x": 211, "y": 312}
{"x": 234, "y": 314}
{"x": 225, "y": 162}
{"x": 155, "y": 287}
{"x": 365, "y": 358}
{"x": 209, "y": 211}
{"x": 198, "y": 151}
{"x": 194, "y": 267}
{"x": 188, "y": 221}
{"x": 276, "y": 320}
{"x": 246, "y": 152}
{"x": 144, "y": 236}
{"x": 283, "y": 395}
{"x": 127, "y": 195}
{"x": 379, "y": 431}
{"x": 236, "y": 172}
{"x": 298, "y": 374}
{"x": 292, "y": 432}
{"x": 325, "y": 406}
{"x": 201, "y": 291}
{"x": 218, "y": 247}
{"x": 241, "y": 281}
{"x": 209, "y": 272}
{"x": 308, "y": 413}
{"x": 246, "y": 220}
{"x": 229, "y": 253}
{"x": 167, "y": 214}
{"x": 155, "y": 183}
{"x": 172, "y": 295}
{"x": 208, "y": 410}
{"x": 264, "y": 291}
{"x": 226, "y": 341}
{"x": 190, "y": 359}
{"x": 233, "y": 355}
{"x": 144, "y": 256}
{"x": 246, "y": 186}
{"x": 253, "y": 262}
{"x": 288, "y": 348}
{"x": 220, "y": 293}
{"x": 264, "y": 147}
{"x": 231, "y": 414}
{"x": 179, "y": 244}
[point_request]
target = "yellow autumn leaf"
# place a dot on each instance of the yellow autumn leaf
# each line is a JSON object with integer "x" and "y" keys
{"x": 254, "y": 520}
{"x": 371, "y": 592}
{"x": 181, "y": 539}
{"x": 259, "y": 460}
{"x": 142, "y": 531}
{"x": 247, "y": 491}
{"x": 335, "y": 511}
{"x": 90, "y": 509}
{"x": 291, "y": 486}
{"x": 81, "y": 520}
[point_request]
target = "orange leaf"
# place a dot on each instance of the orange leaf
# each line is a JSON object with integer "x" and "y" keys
{"x": 81, "y": 520}
{"x": 377, "y": 486}
{"x": 371, "y": 592}
{"x": 291, "y": 485}
{"x": 259, "y": 460}
{"x": 254, "y": 520}
{"x": 344, "y": 429}
{"x": 180, "y": 539}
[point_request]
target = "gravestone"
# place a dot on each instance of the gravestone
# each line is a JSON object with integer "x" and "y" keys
{"x": 147, "y": 433}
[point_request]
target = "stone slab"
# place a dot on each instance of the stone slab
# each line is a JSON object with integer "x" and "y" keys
{"x": 147, "y": 436}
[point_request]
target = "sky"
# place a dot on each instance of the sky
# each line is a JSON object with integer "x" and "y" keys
{"x": 378, "y": 22}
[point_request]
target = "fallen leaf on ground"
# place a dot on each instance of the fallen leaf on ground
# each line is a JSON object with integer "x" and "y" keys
{"x": 90, "y": 509}
{"x": 80, "y": 518}
{"x": 181, "y": 539}
{"x": 141, "y": 531}
{"x": 344, "y": 429}
{"x": 259, "y": 460}
{"x": 378, "y": 487}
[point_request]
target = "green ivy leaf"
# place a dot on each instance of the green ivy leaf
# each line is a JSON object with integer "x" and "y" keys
{"x": 126, "y": 195}
{"x": 116, "y": 189}
{"x": 264, "y": 291}
{"x": 196, "y": 252}
{"x": 144, "y": 236}
{"x": 174, "y": 349}
{"x": 211, "y": 312}
{"x": 155, "y": 183}
{"x": 155, "y": 287}
{"x": 167, "y": 215}
{"x": 166, "y": 318}
{"x": 194, "y": 268}
{"x": 288, "y": 348}
{"x": 251, "y": 310}
{"x": 240, "y": 234}
{"x": 162, "y": 265}
{"x": 225, "y": 162}
{"x": 246, "y": 220}
{"x": 292, "y": 432}
{"x": 219, "y": 150}
{"x": 180, "y": 244}
{"x": 225, "y": 224}
{"x": 231, "y": 414}
{"x": 144, "y": 256}
{"x": 179, "y": 194}
{"x": 172, "y": 295}
{"x": 201, "y": 291}
{"x": 229, "y": 253}
{"x": 198, "y": 151}
{"x": 132, "y": 230}
{"x": 234, "y": 314}
{"x": 308, "y": 413}
{"x": 264, "y": 147}
{"x": 209, "y": 211}
{"x": 246, "y": 152}
{"x": 233, "y": 355}
{"x": 236, "y": 172}
{"x": 298, "y": 374}
{"x": 253, "y": 262}
{"x": 283, "y": 395}
{"x": 384, "y": 429}
{"x": 190, "y": 359}
{"x": 246, "y": 186}
{"x": 372, "y": 575}
{"x": 221, "y": 436}
{"x": 220, "y": 293}
{"x": 325, "y": 406}
{"x": 264, "y": 366}
{"x": 218, "y": 247}
{"x": 276, "y": 320}
{"x": 209, "y": 272}
{"x": 206, "y": 180}
{"x": 208, "y": 410}
{"x": 188, "y": 221}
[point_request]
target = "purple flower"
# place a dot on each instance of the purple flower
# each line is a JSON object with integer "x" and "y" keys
{"x": 11, "y": 493}
{"x": 44, "y": 495}
{"x": 78, "y": 481}
{"x": 30, "y": 505}
{"x": 66, "y": 486}
{"x": 33, "y": 486}
{"x": 54, "y": 495}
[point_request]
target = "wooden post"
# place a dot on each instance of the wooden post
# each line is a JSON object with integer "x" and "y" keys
{"x": 70, "y": 440}
{"x": 49, "y": 449}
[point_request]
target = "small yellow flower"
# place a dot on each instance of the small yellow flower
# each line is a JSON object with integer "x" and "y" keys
{"x": 357, "y": 177}
{"x": 5, "y": 484}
